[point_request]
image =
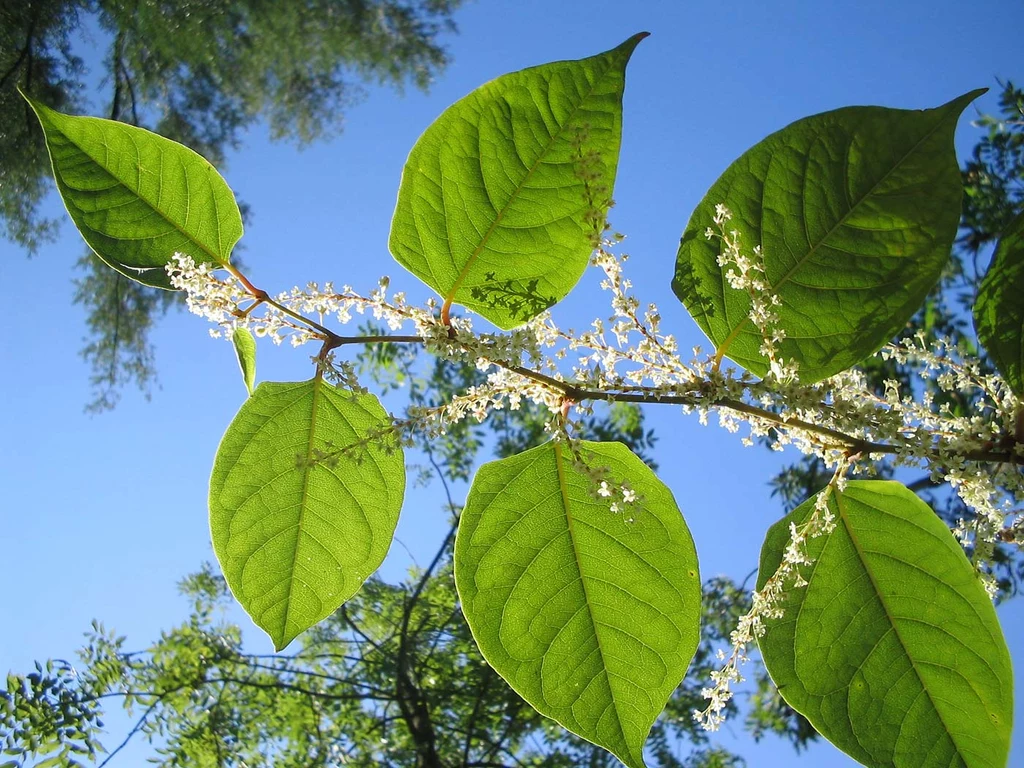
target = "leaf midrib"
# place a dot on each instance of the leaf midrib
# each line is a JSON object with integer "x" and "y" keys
{"x": 892, "y": 622}
{"x": 303, "y": 499}
{"x": 564, "y": 489}
{"x": 735, "y": 332}
{"x": 450, "y": 295}
{"x": 191, "y": 238}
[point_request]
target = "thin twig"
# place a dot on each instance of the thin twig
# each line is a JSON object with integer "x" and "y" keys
{"x": 135, "y": 729}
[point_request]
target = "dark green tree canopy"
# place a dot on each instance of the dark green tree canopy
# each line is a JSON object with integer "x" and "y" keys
{"x": 198, "y": 73}
{"x": 994, "y": 176}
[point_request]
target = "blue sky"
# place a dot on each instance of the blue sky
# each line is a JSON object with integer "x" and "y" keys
{"x": 100, "y": 516}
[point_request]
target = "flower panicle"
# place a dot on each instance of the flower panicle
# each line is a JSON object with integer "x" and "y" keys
{"x": 627, "y": 354}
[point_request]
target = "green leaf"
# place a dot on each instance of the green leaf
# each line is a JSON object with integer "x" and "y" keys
{"x": 999, "y": 310}
{"x": 245, "y": 349}
{"x": 892, "y": 650}
{"x": 504, "y": 194}
{"x": 591, "y": 616}
{"x": 855, "y": 211}
{"x": 304, "y": 499}
{"x": 138, "y": 198}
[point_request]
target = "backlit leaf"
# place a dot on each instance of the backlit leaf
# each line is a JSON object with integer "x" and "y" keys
{"x": 999, "y": 310}
{"x": 592, "y": 616}
{"x": 304, "y": 498}
{"x": 503, "y": 195}
{"x": 855, "y": 210}
{"x": 138, "y": 198}
{"x": 892, "y": 650}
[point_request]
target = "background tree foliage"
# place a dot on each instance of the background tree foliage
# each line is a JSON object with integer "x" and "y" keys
{"x": 393, "y": 677}
{"x": 199, "y": 73}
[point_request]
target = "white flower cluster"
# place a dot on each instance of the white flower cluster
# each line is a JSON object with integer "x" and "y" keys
{"x": 765, "y": 604}
{"x": 827, "y": 419}
{"x": 504, "y": 389}
{"x": 340, "y": 373}
{"x": 941, "y": 433}
{"x": 217, "y": 300}
{"x": 747, "y": 273}
{"x": 296, "y": 314}
{"x": 640, "y": 357}
{"x": 617, "y": 494}
{"x": 625, "y": 356}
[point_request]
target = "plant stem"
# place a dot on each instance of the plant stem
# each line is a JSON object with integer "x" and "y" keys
{"x": 263, "y": 296}
{"x": 577, "y": 394}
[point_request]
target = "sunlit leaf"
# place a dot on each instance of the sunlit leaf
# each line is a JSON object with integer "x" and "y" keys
{"x": 304, "y": 499}
{"x": 591, "y": 615}
{"x": 892, "y": 650}
{"x": 138, "y": 198}
{"x": 503, "y": 195}
{"x": 245, "y": 350}
{"x": 856, "y": 211}
{"x": 999, "y": 310}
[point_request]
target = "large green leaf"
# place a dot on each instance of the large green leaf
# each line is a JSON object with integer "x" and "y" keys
{"x": 999, "y": 310}
{"x": 500, "y": 195}
{"x": 855, "y": 210}
{"x": 138, "y": 198}
{"x": 591, "y": 616}
{"x": 304, "y": 499}
{"x": 892, "y": 650}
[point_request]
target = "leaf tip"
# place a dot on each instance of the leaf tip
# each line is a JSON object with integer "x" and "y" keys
{"x": 630, "y": 44}
{"x": 279, "y": 636}
{"x": 961, "y": 102}
{"x": 37, "y": 107}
